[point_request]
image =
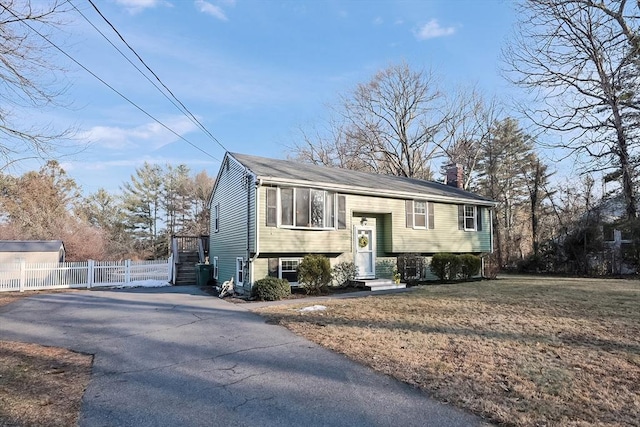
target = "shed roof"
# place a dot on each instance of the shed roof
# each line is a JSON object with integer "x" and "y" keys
{"x": 31, "y": 245}
{"x": 275, "y": 169}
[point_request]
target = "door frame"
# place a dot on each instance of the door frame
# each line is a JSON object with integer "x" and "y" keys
{"x": 356, "y": 250}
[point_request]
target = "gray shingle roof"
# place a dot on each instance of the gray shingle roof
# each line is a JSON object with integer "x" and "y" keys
{"x": 266, "y": 169}
{"x": 30, "y": 245}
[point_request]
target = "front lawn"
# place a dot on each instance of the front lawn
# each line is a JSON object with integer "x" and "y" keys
{"x": 40, "y": 386}
{"x": 525, "y": 351}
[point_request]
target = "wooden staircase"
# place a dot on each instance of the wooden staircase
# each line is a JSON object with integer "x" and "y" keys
{"x": 187, "y": 252}
{"x": 186, "y": 268}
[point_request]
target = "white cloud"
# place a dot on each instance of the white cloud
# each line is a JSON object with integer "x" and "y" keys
{"x": 211, "y": 9}
{"x": 149, "y": 136}
{"x": 135, "y": 6}
{"x": 378, "y": 21}
{"x": 432, "y": 29}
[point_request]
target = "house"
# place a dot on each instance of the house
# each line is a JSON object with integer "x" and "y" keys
{"x": 31, "y": 251}
{"x": 267, "y": 214}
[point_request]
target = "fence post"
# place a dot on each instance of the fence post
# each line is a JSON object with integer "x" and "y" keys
{"x": 23, "y": 275}
{"x": 170, "y": 268}
{"x": 90, "y": 265}
{"x": 127, "y": 271}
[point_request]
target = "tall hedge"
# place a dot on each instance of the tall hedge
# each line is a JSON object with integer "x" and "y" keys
{"x": 469, "y": 266}
{"x": 451, "y": 266}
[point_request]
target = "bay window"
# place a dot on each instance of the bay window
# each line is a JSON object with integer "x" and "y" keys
{"x": 306, "y": 208}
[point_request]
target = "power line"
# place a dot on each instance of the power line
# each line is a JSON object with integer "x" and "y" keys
{"x": 183, "y": 108}
{"x": 132, "y": 64}
{"x": 107, "y": 84}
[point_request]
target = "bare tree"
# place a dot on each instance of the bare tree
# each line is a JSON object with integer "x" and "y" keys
{"x": 390, "y": 125}
{"x": 28, "y": 77}
{"x": 469, "y": 129}
{"x": 579, "y": 59}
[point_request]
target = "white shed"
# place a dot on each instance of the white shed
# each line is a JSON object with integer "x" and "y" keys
{"x": 31, "y": 251}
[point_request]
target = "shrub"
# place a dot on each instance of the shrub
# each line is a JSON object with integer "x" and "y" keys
{"x": 343, "y": 273}
{"x": 445, "y": 266}
{"x": 491, "y": 267}
{"x": 469, "y": 265}
{"x": 271, "y": 289}
{"x": 314, "y": 274}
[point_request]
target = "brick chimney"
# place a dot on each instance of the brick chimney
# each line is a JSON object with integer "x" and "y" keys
{"x": 454, "y": 175}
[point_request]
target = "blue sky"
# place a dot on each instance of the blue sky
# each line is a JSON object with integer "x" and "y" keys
{"x": 253, "y": 72}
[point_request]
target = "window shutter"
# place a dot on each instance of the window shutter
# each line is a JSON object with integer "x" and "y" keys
{"x": 342, "y": 212}
{"x": 460, "y": 217}
{"x": 272, "y": 207}
{"x": 431, "y": 216}
{"x": 273, "y": 267}
{"x": 408, "y": 207}
{"x": 479, "y": 219}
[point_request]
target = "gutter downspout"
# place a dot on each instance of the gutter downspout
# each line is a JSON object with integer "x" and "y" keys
{"x": 245, "y": 179}
{"x": 257, "y": 235}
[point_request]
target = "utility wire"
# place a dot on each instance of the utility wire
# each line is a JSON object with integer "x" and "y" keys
{"x": 107, "y": 84}
{"x": 184, "y": 109}
{"x": 134, "y": 65}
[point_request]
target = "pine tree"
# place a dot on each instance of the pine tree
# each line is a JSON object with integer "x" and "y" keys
{"x": 142, "y": 202}
{"x": 503, "y": 157}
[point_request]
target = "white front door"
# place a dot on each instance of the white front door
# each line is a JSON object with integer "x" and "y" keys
{"x": 239, "y": 272}
{"x": 365, "y": 252}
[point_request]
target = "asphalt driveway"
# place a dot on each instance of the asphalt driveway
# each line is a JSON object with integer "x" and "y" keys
{"x": 178, "y": 357}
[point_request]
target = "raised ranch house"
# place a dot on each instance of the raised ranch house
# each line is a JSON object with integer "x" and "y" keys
{"x": 30, "y": 251}
{"x": 267, "y": 214}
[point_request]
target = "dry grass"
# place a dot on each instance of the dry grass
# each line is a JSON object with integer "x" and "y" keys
{"x": 519, "y": 351}
{"x": 40, "y": 386}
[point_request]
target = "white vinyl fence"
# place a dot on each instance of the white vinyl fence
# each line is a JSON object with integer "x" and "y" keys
{"x": 88, "y": 274}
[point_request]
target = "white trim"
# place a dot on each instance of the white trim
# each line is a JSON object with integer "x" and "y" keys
{"x": 491, "y": 228}
{"x": 239, "y": 283}
{"x": 465, "y": 216}
{"x": 293, "y": 226}
{"x": 356, "y": 248}
{"x": 298, "y": 260}
{"x": 426, "y": 215}
{"x": 348, "y": 189}
{"x": 216, "y": 217}
{"x": 257, "y": 233}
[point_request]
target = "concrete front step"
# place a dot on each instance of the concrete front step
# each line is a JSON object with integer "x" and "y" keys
{"x": 381, "y": 284}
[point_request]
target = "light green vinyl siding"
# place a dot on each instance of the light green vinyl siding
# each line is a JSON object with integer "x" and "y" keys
{"x": 289, "y": 240}
{"x": 392, "y": 235}
{"x": 232, "y": 192}
{"x": 445, "y": 237}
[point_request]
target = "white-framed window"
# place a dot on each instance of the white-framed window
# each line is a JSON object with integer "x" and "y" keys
{"x": 272, "y": 207}
{"x": 419, "y": 214}
{"x": 469, "y": 218}
{"x": 288, "y": 269}
{"x": 306, "y": 208}
{"x": 215, "y": 267}
{"x": 216, "y": 218}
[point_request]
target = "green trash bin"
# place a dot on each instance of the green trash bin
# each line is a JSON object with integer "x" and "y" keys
{"x": 203, "y": 274}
